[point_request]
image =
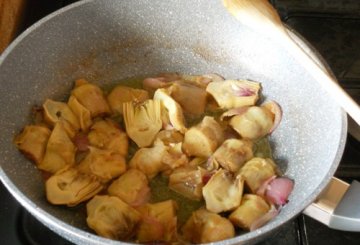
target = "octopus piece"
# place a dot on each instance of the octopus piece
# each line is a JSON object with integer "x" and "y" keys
{"x": 143, "y": 122}
{"x": 121, "y": 94}
{"x": 234, "y": 93}
{"x": 81, "y": 112}
{"x": 203, "y": 139}
{"x": 188, "y": 181}
{"x": 256, "y": 171}
{"x": 132, "y": 187}
{"x": 206, "y": 227}
{"x": 112, "y": 218}
{"x": 91, "y": 97}
{"x": 158, "y": 223}
{"x": 71, "y": 187}
{"x": 32, "y": 142}
{"x": 191, "y": 98}
{"x": 252, "y": 208}
{"x": 149, "y": 160}
{"x": 223, "y": 192}
{"x": 172, "y": 108}
{"x": 104, "y": 164}
{"x": 55, "y": 111}
{"x": 233, "y": 153}
{"x": 60, "y": 150}
{"x": 106, "y": 134}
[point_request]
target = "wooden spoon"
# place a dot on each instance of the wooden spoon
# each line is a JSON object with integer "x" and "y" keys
{"x": 263, "y": 18}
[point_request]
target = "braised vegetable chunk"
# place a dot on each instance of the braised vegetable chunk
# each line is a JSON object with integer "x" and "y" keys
{"x": 234, "y": 93}
{"x": 204, "y": 226}
{"x": 60, "y": 151}
{"x": 158, "y": 222}
{"x": 223, "y": 192}
{"x": 92, "y": 98}
{"x": 71, "y": 187}
{"x": 177, "y": 158}
{"x": 132, "y": 187}
{"x": 203, "y": 139}
{"x": 251, "y": 209}
{"x": 32, "y": 142}
{"x": 110, "y": 217}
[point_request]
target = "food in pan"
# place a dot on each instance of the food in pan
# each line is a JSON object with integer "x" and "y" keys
{"x": 173, "y": 158}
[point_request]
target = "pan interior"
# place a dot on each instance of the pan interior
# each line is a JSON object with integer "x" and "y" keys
{"x": 107, "y": 41}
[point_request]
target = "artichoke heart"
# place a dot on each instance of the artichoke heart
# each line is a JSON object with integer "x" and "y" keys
{"x": 223, "y": 192}
{"x": 104, "y": 164}
{"x": 55, "y": 111}
{"x": 70, "y": 187}
{"x": 110, "y": 217}
{"x": 174, "y": 110}
{"x": 143, "y": 122}
{"x": 32, "y": 142}
{"x": 121, "y": 94}
{"x": 91, "y": 97}
{"x": 206, "y": 227}
{"x": 234, "y": 93}
{"x": 83, "y": 115}
{"x": 60, "y": 150}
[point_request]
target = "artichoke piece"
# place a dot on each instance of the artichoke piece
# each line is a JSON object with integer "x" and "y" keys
{"x": 121, "y": 94}
{"x": 106, "y": 134}
{"x": 223, "y": 192}
{"x": 234, "y": 93}
{"x": 149, "y": 160}
{"x": 188, "y": 181}
{"x": 170, "y": 137}
{"x": 191, "y": 98}
{"x": 55, "y": 111}
{"x": 255, "y": 122}
{"x": 233, "y": 153}
{"x": 112, "y": 218}
{"x": 251, "y": 209}
{"x": 202, "y": 80}
{"x": 173, "y": 109}
{"x": 83, "y": 115}
{"x": 158, "y": 223}
{"x": 205, "y": 227}
{"x": 203, "y": 139}
{"x": 174, "y": 158}
{"x": 91, "y": 97}
{"x": 60, "y": 150}
{"x": 104, "y": 164}
{"x": 32, "y": 142}
{"x": 143, "y": 122}
{"x": 70, "y": 187}
{"x": 132, "y": 187}
{"x": 256, "y": 171}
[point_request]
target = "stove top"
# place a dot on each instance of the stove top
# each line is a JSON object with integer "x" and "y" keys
{"x": 333, "y": 28}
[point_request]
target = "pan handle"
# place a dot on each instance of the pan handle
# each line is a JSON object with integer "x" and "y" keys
{"x": 338, "y": 206}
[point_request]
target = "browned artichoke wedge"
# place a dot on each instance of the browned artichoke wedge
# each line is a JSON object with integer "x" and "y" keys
{"x": 104, "y": 164}
{"x": 121, "y": 94}
{"x": 206, "y": 227}
{"x": 106, "y": 134}
{"x": 110, "y": 217}
{"x": 55, "y": 111}
{"x": 256, "y": 171}
{"x": 223, "y": 192}
{"x": 92, "y": 98}
{"x": 143, "y": 122}
{"x": 251, "y": 209}
{"x": 83, "y": 115}
{"x": 32, "y": 142}
{"x": 60, "y": 150}
{"x": 158, "y": 223}
{"x": 71, "y": 187}
{"x": 132, "y": 187}
{"x": 234, "y": 93}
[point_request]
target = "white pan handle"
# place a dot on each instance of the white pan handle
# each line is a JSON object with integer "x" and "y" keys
{"x": 338, "y": 206}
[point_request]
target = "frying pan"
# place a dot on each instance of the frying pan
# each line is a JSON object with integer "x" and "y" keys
{"x": 105, "y": 41}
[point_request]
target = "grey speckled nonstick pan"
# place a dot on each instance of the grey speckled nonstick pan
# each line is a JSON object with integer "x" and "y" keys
{"x": 107, "y": 40}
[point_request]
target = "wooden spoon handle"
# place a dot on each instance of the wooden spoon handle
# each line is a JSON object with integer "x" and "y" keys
{"x": 263, "y": 18}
